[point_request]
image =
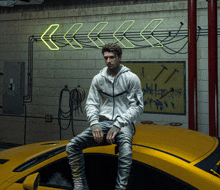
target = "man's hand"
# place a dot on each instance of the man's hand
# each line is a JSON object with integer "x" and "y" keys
{"x": 97, "y": 133}
{"x": 111, "y": 134}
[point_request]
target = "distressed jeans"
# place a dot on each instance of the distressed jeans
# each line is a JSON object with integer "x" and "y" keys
{"x": 85, "y": 140}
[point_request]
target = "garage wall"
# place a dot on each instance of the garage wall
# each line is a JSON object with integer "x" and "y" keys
{"x": 52, "y": 70}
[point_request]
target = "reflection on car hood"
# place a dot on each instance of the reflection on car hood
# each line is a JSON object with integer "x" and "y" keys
{"x": 187, "y": 144}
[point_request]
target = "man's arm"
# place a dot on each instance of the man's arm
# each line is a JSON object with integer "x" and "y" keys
{"x": 93, "y": 104}
{"x": 92, "y": 111}
{"x": 136, "y": 105}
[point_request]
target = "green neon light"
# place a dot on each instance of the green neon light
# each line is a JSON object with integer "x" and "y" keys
{"x": 57, "y": 26}
{"x": 133, "y": 21}
{"x": 81, "y": 24}
{"x": 106, "y": 23}
{"x": 151, "y": 32}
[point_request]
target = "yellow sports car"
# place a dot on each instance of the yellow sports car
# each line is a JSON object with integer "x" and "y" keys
{"x": 164, "y": 158}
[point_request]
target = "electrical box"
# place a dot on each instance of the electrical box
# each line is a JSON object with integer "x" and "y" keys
{"x": 13, "y": 87}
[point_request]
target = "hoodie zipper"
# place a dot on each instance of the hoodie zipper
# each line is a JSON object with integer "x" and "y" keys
{"x": 113, "y": 99}
{"x": 114, "y": 96}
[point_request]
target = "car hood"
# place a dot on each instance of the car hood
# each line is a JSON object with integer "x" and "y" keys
{"x": 187, "y": 144}
{"x": 14, "y": 157}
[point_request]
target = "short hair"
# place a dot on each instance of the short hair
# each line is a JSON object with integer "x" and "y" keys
{"x": 111, "y": 47}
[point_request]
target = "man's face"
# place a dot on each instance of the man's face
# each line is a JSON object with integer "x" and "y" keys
{"x": 111, "y": 60}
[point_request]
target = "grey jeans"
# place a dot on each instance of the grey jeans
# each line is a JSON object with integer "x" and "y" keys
{"x": 84, "y": 140}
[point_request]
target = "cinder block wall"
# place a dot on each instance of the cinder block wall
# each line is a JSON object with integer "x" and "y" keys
{"x": 52, "y": 70}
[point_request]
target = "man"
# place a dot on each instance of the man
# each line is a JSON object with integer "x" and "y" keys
{"x": 114, "y": 102}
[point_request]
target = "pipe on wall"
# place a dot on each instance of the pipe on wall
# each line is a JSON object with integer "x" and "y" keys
{"x": 213, "y": 67}
{"x": 192, "y": 66}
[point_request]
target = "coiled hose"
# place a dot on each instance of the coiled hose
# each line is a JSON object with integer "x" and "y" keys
{"x": 76, "y": 96}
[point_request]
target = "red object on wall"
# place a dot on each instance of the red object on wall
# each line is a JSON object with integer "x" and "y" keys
{"x": 147, "y": 122}
{"x": 176, "y": 124}
{"x": 192, "y": 65}
{"x": 213, "y": 67}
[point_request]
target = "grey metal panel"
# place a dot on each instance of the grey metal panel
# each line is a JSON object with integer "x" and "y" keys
{"x": 13, "y": 87}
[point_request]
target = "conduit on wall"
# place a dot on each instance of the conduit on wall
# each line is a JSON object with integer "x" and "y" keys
{"x": 192, "y": 66}
{"x": 213, "y": 67}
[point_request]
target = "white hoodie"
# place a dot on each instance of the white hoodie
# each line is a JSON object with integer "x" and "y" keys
{"x": 120, "y": 100}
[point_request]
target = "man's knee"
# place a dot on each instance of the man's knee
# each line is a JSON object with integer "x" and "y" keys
{"x": 71, "y": 146}
{"x": 126, "y": 134}
{"x": 125, "y": 148}
{"x": 125, "y": 141}
{"x": 68, "y": 148}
